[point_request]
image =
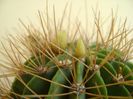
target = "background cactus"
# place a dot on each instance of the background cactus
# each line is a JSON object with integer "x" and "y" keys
{"x": 60, "y": 68}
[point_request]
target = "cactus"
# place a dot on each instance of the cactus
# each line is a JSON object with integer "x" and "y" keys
{"x": 60, "y": 68}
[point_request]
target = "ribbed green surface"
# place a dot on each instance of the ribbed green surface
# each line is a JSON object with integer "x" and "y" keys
{"x": 68, "y": 78}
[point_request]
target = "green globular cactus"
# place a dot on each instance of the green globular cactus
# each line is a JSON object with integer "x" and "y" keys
{"x": 61, "y": 68}
{"x": 85, "y": 73}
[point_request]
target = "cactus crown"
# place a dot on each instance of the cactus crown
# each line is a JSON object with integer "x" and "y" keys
{"x": 58, "y": 67}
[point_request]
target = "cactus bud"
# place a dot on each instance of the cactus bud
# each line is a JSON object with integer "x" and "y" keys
{"x": 80, "y": 49}
{"x": 61, "y": 39}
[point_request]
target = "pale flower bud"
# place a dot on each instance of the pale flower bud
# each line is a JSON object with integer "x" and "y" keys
{"x": 80, "y": 49}
{"x": 60, "y": 41}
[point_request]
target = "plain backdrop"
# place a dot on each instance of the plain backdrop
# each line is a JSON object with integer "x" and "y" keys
{"x": 11, "y": 10}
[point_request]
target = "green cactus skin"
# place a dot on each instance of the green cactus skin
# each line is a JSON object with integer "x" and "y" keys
{"x": 62, "y": 77}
